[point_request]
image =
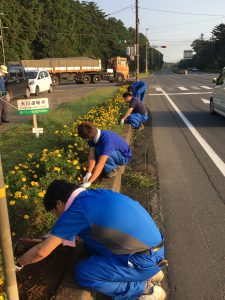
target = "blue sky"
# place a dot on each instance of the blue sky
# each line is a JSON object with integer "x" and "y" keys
{"x": 176, "y": 31}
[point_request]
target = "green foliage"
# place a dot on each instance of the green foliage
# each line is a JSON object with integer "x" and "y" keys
{"x": 210, "y": 54}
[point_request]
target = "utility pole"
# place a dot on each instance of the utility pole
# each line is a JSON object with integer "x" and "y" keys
{"x": 146, "y": 52}
{"x": 137, "y": 43}
{"x": 1, "y": 32}
{"x": 6, "y": 244}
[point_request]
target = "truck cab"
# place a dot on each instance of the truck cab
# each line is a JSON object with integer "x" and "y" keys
{"x": 120, "y": 67}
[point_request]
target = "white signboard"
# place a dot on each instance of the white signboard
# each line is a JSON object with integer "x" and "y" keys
{"x": 29, "y": 104}
{"x": 37, "y": 130}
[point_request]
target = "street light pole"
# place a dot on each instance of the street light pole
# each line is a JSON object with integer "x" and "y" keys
{"x": 146, "y": 52}
{"x": 1, "y": 31}
{"x": 137, "y": 43}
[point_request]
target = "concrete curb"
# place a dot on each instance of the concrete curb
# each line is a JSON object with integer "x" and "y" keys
{"x": 68, "y": 290}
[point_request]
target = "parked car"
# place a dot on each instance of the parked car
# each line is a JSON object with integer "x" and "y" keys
{"x": 217, "y": 100}
{"x": 39, "y": 81}
{"x": 16, "y": 83}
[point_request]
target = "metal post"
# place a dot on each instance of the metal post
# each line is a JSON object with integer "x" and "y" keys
{"x": 137, "y": 43}
{"x": 146, "y": 52}
{"x": 1, "y": 31}
{"x": 6, "y": 244}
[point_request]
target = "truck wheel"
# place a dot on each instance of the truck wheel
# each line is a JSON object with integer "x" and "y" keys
{"x": 27, "y": 94}
{"x": 37, "y": 90}
{"x": 96, "y": 78}
{"x": 119, "y": 77}
{"x": 55, "y": 80}
{"x": 86, "y": 79}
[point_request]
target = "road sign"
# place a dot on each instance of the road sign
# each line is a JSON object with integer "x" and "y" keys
{"x": 33, "y": 106}
{"x": 37, "y": 130}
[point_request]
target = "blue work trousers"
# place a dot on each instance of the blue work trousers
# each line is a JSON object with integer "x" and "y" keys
{"x": 114, "y": 160}
{"x": 120, "y": 277}
{"x": 136, "y": 119}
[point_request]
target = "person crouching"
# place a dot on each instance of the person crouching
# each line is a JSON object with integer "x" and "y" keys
{"x": 107, "y": 151}
{"x": 136, "y": 114}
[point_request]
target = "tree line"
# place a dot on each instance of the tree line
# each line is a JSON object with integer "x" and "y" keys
{"x": 209, "y": 54}
{"x": 65, "y": 28}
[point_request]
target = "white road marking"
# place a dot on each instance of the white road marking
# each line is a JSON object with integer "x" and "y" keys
{"x": 206, "y": 87}
{"x": 177, "y": 94}
{"x": 208, "y": 149}
{"x": 158, "y": 89}
{"x": 182, "y": 88}
{"x": 195, "y": 88}
{"x": 205, "y": 101}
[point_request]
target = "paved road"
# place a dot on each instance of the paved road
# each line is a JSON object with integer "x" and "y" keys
{"x": 61, "y": 93}
{"x": 190, "y": 150}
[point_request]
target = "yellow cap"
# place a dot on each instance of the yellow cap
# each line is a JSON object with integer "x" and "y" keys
{"x": 4, "y": 69}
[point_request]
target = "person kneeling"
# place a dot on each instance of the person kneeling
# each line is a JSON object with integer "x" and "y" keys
{"x": 107, "y": 151}
{"x": 137, "y": 114}
{"x": 127, "y": 248}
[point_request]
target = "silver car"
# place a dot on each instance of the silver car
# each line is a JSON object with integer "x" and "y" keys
{"x": 217, "y": 100}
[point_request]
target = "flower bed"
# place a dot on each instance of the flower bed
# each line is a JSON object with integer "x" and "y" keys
{"x": 26, "y": 184}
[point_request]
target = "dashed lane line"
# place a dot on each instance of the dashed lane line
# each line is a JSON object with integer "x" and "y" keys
{"x": 205, "y": 101}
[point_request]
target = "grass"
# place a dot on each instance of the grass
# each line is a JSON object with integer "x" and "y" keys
{"x": 18, "y": 141}
{"x": 138, "y": 180}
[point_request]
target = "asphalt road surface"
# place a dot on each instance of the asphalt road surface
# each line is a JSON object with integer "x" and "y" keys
{"x": 190, "y": 150}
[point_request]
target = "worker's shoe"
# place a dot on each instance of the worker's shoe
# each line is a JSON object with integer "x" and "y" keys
{"x": 112, "y": 173}
{"x": 5, "y": 121}
{"x": 157, "y": 278}
{"x": 155, "y": 293}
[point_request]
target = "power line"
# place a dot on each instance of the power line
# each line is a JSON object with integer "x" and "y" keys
{"x": 180, "y": 12}
{"x": 123, "y": 9}
{"x": 180, "y": 24}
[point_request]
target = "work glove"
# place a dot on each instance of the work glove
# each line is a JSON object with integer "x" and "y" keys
{"x": 86, "y": 176}
{"x": 85, "y": 185}
{"x": 121, "y": 121}
{"x": 18, "y": 266}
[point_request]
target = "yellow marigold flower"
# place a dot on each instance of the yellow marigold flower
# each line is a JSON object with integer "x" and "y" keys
{"x": 25, "y": 197}
{"x": 6, "y": 186}
{"x": 16, "y": 168}
{"x": 13, "y": 233}
{"x": 59, "y": 155}
{"x": 23, "y": 179}
{"x": 75, "y": 162}
{"x": 17, "y": 194}
{"x": 78, "y": 178}
{"x": 57, "y": 169}
{"x": 70, "y": 146}
{"x": 78, "y": 167}
{"x": 12, "y": 202}
{"x": 65, "y": 126}
{"x": 35, "y": 176}
{"x": 26, "y": 217}
{"x": 37, "y": 166}
{"x": 69, "y": 161}
{"x": 84, "y": 168}
{"x": 12, "y": 172}
{"x": 41, "y": 194}
{"x": 34, "y": 183}
{"x": 56, "y": 132}
{"x": 56, "y": 151}
{"x": 45, "y": 150}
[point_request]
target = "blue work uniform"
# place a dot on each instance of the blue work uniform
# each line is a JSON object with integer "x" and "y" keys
{"x": 138, "y": 89}
{"x": 115, "y": 147}
{"x": 3, "y": 105}
{"x": 139, "y": 113}
{"x": 121, "y": 234}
